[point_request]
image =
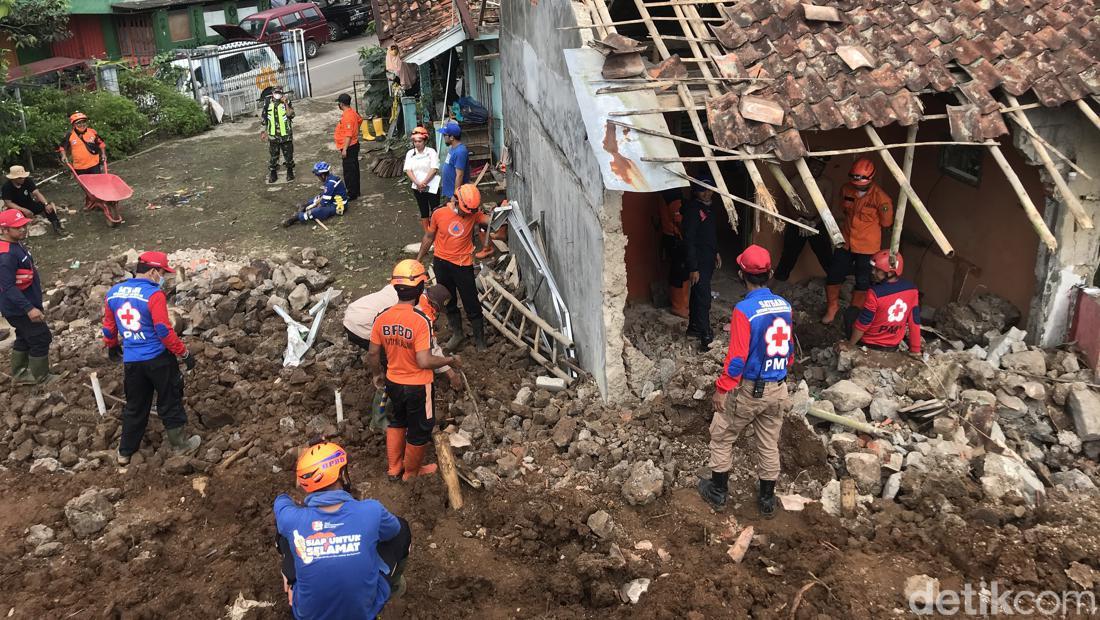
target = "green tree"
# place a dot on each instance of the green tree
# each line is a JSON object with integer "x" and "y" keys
{"x": 34, "y": 22}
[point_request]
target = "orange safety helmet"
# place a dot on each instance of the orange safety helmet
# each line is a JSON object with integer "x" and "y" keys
{"x": 77, "y": 116}
{"x": 320, "y": 465}
{"x": 862, "y": 172}
{"x": 468, "y": 198}
{"x": 881, "y": 260}
{"x": 419, "y": 131}
{"x": 409, "y": 272}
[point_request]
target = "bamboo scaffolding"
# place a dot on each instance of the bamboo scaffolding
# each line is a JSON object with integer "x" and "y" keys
{"x": 1026, "y": 106}
{"x": 1025, "y": 201}
{"x": 1088, "y": 112}
{"x": 788, "y": 189}
{"x": 1071, "y": 201}
{"x": 635, "y": 22}
{"x": 688, "y": 100}
{"x": 691, "y": 22}
{"x": 918, "y": 204}
{"x": 820, "y": 203}
{"x": 851, "y": 151}
{"x": 903, "y": 198}
{"x": 747, "y": 203}
{"x": 1024, "y": 123}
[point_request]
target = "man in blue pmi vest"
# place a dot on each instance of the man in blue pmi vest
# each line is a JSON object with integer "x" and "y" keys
{"x": 332, "y": 200}
{"x": 761, "y": 349}
{"x": 138, "y": 331}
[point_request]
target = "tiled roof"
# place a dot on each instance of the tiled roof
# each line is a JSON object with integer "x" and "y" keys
{"x": 414, "y": 23}
{"x": 974, "y": 47}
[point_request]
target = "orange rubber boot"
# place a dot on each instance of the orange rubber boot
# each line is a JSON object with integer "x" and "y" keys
{"x": 395, "y": 451}
{"x": 414, "y": 456}
{"x": 678, "y": 296}
{"x": 832, "y": 298}
{"x": 858, "y": 297}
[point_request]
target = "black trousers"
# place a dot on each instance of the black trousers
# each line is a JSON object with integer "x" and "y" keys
{"x": 351, "y": 171}
{"x": 31, "y": 338}
{"x": 426, "y": 202}
{"x": 275, "y": 146}
{"x": 700, "y": 300}
{"x": 160, "y": 375}
{"x": 794, "y": 242}
{"x": 672, "y": 251}
{"x": 413, "y": 409}
{"x": 846, "y": 263}
{"x": 459, "y": 280}
{"x": 393, "y": 553}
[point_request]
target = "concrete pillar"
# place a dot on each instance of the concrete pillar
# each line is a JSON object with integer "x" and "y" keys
{"x": 1074, "y": 263}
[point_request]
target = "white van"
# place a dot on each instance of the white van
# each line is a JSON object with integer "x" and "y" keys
{"x": 247, "y": 68}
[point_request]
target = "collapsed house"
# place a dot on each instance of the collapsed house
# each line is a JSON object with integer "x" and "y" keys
{"x": 981, "y": 118}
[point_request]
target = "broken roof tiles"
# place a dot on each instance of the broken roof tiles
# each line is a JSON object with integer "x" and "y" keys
{"x": 411, "y": 24}
{"x": 1048, "y": 47}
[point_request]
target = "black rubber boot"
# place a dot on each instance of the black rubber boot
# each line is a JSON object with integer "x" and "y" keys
{"x": 454, "y": 319}
{"x": 716, "y": 489}
{"x": 272, "y": 176}
{"x": 290, "y": 221}
{"x": 766, "y": 498}
{"x": 58, "y": 229}
{"x": 289, "y": 174}
{"x": 477, "y": 326}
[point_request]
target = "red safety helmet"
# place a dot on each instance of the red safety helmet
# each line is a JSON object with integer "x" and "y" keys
{"x": 862, "y": 172}
{"x": 419, "y": 131}
{"x": 881, "y": 260}
{"x": 468, "y": 198}
{"x": 409, "y": 272}
{"x": 320, "y": 465}
{"x": 77, "y": 116}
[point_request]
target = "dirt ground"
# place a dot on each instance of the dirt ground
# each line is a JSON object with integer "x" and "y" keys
{"x": 521, "y": 550}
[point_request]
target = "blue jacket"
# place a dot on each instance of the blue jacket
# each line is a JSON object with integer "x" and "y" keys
{"x": 339, "y": 574}
{"x": 761, "y": 340}
{"x": 332, "y": 201}
{"x": 20, "y": 287}
{"x": 458, "y": 158}
{"x": 137, "y": 311}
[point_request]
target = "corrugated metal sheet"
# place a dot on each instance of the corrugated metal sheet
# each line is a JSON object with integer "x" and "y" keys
{"x": 86, "y": 40}
{"x": 618, "y": 149}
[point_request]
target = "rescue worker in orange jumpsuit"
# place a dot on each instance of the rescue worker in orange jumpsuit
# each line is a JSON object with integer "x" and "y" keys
{"x": 86, "y": 150}
{"x": 867, "y": 210}
{"x": 672, "y": 251}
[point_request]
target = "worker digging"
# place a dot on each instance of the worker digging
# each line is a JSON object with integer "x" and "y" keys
{"x": 607, "y": 379}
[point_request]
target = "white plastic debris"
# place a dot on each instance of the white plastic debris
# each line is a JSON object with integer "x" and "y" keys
{"x": 299, "y": 338}
{"x": 633, "y": 591}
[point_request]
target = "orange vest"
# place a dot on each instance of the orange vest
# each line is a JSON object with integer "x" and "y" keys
{"x": 864, "y": 217}
{"x": 81, "y": 148}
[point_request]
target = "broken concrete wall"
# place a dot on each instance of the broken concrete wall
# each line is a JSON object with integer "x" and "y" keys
{"x": 556, "y": 181}
{"x": 1075, "y": 261}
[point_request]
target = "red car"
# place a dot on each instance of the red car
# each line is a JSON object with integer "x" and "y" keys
{"x": 268, "y": 26}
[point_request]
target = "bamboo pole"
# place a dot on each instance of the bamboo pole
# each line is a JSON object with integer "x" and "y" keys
{"x": 491, "y": 280}
{"x": 918, "y": 204}
{"x": 820, "y": 203}
{"x": 1072, "y": 203}
{"x": 1025, "y": 201}
{"x": 903, "y": 198}
{"x": 1030, "y": 131}
{"x": 1088, "y": 112}
{"x": 852, "y": 151}
{"x": 744, "y": 202}
{"x": 788, "y": 189}
{"x": 697, "y": 124}
{"x": 518, "y": 341}
{"x": 866, "y": 429}
{"x": 446, "y": 460}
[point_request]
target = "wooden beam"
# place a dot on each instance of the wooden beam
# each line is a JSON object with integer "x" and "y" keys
{"x": 747, "y": 203}
{"x": 903, "y": 198}
{"x": 1025, "y": 201}
{"x": 1088, "y": 112}
{"x": 918, "y": 204}
{"x": 820, "y": 203}
{"x": 706, "y": 146}
{"x": 1026, "y": 106}
{"x": 1068, "y": 197}
{"x": 788, "y": 189}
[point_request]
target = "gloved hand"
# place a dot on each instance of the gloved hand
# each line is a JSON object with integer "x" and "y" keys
{"x": 115, "y": 353}
{"x": 802, "y": 231}
{"x": 188, "y": 361}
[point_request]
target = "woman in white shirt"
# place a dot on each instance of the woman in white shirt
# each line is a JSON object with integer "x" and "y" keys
{"x": 422, "y": 168}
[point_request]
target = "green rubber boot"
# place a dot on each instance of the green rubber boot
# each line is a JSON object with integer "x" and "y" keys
{"x": 179, "y": 444}
{"x": 19, "y": 360}
{"x": 38, "y": 371}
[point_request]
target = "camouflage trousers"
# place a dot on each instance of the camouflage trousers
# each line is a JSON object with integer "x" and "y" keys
{"x": 284, "y": 146}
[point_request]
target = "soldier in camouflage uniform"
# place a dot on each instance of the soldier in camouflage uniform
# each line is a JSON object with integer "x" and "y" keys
{"x": 276, "y": 121}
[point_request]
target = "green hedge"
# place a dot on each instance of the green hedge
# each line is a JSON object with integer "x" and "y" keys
{"x": 166, "y": 108}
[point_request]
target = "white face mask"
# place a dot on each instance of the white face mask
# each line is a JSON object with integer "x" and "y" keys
{"x": 277, "y": 96}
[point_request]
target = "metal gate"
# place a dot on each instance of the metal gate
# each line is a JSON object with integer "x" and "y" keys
{"x": 236, "y": 74}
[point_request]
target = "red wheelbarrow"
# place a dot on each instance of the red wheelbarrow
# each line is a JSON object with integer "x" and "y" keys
{"x": 103, "y": 191}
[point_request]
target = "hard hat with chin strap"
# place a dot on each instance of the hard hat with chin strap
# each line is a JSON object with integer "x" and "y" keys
{"x": 468, "y": 198}
{"x": 409, "y": 272}
{"x": 320, "y": 465}
{"x": 881, "y": 260}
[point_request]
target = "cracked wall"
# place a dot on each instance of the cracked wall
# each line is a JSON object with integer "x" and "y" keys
{"x": 556, "y": 181}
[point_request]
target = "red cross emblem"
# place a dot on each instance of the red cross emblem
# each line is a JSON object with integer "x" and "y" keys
{"x": 778, "y": 338}
{"x": 129, "y": 318}
{"x": 896, "y": 312}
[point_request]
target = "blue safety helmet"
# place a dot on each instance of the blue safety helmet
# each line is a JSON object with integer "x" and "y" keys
{"x": 320, "y": 168}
